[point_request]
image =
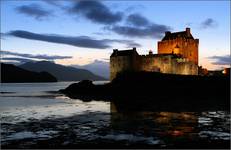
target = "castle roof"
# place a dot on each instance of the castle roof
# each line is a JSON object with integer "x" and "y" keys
{"x": 124, "y": 52}
{"x": 183, "y": 34}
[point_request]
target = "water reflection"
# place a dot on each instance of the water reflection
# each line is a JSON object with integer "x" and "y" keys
{"x": 175, "y": 127}
{"x": 161, "y": 124}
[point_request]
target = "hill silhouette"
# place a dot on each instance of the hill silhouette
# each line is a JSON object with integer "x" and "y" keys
{"x": 61, "y": 72}
{"x": 98, "y": 67}
{"x": 12, "y": 74}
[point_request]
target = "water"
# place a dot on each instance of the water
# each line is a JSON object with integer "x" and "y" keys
{"x": 33, "y": 115}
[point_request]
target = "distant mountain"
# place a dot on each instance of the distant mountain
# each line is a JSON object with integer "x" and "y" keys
{"x": 98, "y": 67}
{"x": 13, "y": 74}
{"x": 62, "y": 73}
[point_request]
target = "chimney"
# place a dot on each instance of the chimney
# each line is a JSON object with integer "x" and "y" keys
{"x": 115, "y": 50}
{"x": 134, "y": 48}
{"x": 188, "y": 31}
{"x": 167, "y": 32}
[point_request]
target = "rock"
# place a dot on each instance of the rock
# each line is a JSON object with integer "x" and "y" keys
{"x": 155, "y": 91}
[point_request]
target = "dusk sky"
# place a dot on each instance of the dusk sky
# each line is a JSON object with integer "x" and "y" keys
{"x": 80, "y": 32}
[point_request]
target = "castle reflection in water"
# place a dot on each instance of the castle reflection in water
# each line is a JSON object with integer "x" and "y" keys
{"x": 176, "y": 124}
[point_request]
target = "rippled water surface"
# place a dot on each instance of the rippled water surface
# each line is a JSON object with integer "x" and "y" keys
{"x": 34, "y": 116}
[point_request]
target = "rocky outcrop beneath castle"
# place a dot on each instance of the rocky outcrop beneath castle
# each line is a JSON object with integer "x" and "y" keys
{"x": 157, "y": 92}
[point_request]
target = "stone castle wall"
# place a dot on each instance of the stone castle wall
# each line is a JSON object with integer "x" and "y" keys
{"x": 152, "y": 63}
{"x": 168, "y": 64}
{"x": 119, "y": 64}
{"x": 123, "y": 63}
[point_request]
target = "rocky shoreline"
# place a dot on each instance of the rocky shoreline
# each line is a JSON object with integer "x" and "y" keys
{"x": 157, "y": 92}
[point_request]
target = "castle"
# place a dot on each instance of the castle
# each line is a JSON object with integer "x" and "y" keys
{"x": 177, "y": 54}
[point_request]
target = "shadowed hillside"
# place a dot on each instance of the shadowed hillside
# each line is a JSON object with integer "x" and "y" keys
{"x": 98, "y": 67}
{"x": 62, "y": 73}
{"x": 11, "y": 73}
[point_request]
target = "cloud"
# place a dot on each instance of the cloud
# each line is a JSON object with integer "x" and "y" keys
{"x": 47, "y": 57}
{"x": 53, "y": 2}
{"x": 34, "y": 10}
{"x": 151, "y": 31}
{"x": 209, "y": 23}
{"x": 96, "y": 12}
{"x": 132, "y": 44}
{"x": 139, "y": 26}
{"x": 129, "y": 43}
{"x": 221, "y": 60}
{"x": 2, "y": 36}
{"x": 134, "y": 7}
{"x": 19, "y": 60}
{"x": 57, "y": 3}
{"x": 78, "y": 41}
{"x": 137, "y": 20}
{"x": 102, "y": 33}
{"x": 106, "y": 59}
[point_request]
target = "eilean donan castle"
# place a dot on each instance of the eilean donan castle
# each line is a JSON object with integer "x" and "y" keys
{"x": 177, "y": 54}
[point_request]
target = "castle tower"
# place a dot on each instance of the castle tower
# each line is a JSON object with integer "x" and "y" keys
{"x": 181, "y": 43}
{"x": 123, "y": 60}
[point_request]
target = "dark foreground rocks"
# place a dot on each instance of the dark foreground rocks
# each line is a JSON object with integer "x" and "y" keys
{"x": 155, "y": 91}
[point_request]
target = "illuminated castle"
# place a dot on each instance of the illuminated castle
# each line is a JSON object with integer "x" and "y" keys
{"x": 177, "y": 54}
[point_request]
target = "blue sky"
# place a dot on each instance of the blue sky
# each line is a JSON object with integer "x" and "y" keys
{"x": 67, "y": 28}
